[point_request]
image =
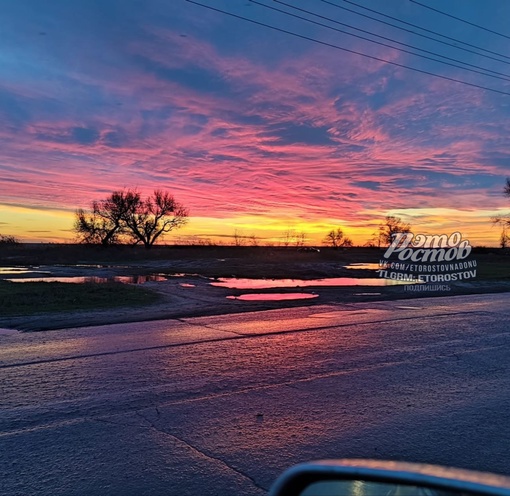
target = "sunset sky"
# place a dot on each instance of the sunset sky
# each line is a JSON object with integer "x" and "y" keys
{"x": 254, "y": 129}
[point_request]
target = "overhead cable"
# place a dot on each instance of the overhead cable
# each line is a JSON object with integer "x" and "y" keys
{"x": 506, "y": 77}
{"x": 459, "y": 19}
{"x": 420, "y": 34}
{"x": 331, "y": 45}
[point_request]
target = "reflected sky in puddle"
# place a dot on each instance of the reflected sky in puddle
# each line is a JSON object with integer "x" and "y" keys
{"x": 235, "y": 283}
{"x": 363, "y": 265}
{"x": 187, "y": 274}
{"x": 84, "y": 279}
{"x": 17, "y": 270}
{"x": 273, "y": 296}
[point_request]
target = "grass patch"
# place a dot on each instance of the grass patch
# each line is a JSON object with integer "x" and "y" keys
{"x": 492, "y": 266}
{"x": 31, "y": 298}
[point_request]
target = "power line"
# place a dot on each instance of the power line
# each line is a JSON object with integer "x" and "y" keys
{"x": 419, "y": 34}
{"x": 423, "y": 29}
{"x": 506, "y": 77}
{"x": 303, "y": 37}
{"x": 459, "y": 19}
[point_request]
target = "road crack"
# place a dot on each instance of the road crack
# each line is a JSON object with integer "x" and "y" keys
{"x": 201, "y": 453}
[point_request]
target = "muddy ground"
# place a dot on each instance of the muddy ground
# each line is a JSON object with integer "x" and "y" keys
{"x": 187, "y": 291}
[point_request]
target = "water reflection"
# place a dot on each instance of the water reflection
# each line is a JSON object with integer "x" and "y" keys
{"x": 186, "y": 274}
{"x": 140, "y": 279}
{"x": 363, "y": 265}
{"x": 235, "y": 283}
{"x": 16, "y": 270}
{"x": 273, "y": 296}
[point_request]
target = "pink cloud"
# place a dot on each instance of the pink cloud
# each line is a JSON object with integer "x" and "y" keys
{"x": 243, "y": 152}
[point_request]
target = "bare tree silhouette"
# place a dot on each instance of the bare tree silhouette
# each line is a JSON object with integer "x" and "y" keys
{"x": 390, "y": 226}
{"x": 105, "y": 223}
{"x": 337, "y": 239}
{"x": 125, "y": 217}
{"x": 288, "y": 236}
{"x": 239, "y": 238}
{"x": 506, "y": 189}
{"x": 9, "y": 239}
{"x": 504, "y": 239}
{"x": 504, "y": 220}
{"x": 147, "y": 220}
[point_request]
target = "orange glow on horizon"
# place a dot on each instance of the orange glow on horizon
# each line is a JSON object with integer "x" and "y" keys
{"x": 475, "y": 226}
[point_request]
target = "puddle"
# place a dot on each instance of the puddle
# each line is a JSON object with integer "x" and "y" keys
{"x": 17, "y": 270}
{"x": 235, "y": 283}
{"x": 363, "y": 265}
{"x": 95, "y": 266}
{"x": 273, "y": 296}
{"x": 186, "y": 285}
{"x": 36, "y": 275}
{"x": 99, "y": 280}
{"x": 186, "y": 274}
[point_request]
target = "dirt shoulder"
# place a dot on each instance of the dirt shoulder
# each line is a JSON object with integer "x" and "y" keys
{"x": 186, "y": 290}
{"x": 191, "y": 296}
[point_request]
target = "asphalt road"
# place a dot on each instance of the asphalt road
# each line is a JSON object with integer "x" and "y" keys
{"x": 221, "y": 405}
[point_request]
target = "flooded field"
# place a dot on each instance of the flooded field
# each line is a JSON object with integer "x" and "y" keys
{"x": 15, "y": 270}
{"x": 273, "y": 296}
{"x": 98, "y": 273}
{"x": 140, "y": 279}
{"x": 202, "y": 281}
{"x": 244, "y": 283}
{"x": 363, "y": 266}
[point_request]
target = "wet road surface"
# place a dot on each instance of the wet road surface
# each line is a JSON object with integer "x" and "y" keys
{"x": 221, "y": 405}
